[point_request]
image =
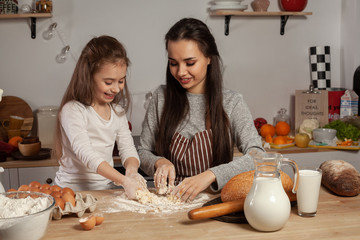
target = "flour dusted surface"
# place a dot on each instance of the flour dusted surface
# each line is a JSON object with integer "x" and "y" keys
{"x": 149, "y": 202}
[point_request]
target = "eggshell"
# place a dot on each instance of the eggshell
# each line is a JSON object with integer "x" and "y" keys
{"x": 99, "y": 218}
{"x": 88, "y": 223}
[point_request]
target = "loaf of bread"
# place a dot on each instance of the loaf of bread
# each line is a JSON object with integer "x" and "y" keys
{"x": 340, "y": 177}
{"x": 239, "y": 186}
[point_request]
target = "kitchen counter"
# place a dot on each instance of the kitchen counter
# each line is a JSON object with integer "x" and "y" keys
{"x": 337, "y": 218}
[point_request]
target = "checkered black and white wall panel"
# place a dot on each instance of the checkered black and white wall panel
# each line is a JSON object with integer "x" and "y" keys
{"x": 320, "y": 67}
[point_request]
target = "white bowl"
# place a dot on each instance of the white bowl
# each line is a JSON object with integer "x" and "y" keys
{"x": 26, "y": 226}
{"x": 324, "y": 134}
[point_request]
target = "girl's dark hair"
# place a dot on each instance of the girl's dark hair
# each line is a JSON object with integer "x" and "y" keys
{"x": 174, "y": 113}
{"x": 99, "y": 50}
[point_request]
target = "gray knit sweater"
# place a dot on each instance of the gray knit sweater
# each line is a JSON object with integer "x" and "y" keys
{"x": 244, "y": 136}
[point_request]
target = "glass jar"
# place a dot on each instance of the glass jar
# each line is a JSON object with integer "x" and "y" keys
{"x": 46, "y": 117}
{"x": 44, "y": 6}
{"x": 282, "y": 116}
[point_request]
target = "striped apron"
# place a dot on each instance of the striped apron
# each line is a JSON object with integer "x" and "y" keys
{"x": 191, "y": 156}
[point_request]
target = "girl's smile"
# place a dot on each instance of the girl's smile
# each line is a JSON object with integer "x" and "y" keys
{"x": 109, "y": 81}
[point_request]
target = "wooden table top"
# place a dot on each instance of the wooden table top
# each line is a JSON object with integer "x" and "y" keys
{"x": 337, "y": 218}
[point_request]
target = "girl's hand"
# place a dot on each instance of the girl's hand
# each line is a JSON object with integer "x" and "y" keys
{"x": 164, "y": 170}
{"x": 190, "y": 187}
{"x": 132, "y": 184}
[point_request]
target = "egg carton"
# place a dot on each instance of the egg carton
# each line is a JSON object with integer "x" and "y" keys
{"x": 82, "y": 204}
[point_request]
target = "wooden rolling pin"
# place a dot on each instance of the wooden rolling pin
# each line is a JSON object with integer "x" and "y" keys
{"x": 217, "y": 210}
{"x": 222, "y": 209}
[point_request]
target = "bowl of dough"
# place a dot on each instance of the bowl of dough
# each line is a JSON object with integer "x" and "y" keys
{"x": 25, "y": 215}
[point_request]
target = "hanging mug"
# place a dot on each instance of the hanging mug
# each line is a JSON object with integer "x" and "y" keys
{"x": 14, "y": 122}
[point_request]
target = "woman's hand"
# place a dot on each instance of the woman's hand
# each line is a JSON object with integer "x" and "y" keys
{"x": 190, "y": 187}
{"x": 164, "y": 170}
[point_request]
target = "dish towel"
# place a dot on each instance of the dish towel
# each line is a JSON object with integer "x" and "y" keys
{"x": 320, "y": 67}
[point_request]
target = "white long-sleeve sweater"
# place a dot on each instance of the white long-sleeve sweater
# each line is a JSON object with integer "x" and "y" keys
{"x": 88, "y": 140}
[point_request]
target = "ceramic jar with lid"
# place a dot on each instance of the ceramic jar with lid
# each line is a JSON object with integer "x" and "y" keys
{"x": 260, "y": 5}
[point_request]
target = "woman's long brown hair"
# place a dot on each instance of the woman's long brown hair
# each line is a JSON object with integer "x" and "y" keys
{"x": 174, "y": 113}
{"x": 99, "y": 50}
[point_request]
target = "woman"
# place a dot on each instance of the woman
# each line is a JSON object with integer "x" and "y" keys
{"x": 192, "y": 123}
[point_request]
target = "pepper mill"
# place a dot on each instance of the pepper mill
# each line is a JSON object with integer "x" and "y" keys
{"x": 260, "y": 5}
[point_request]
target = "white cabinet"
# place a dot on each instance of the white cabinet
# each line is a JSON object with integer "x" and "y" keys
{"x": 14, "y": 177}
{"x": 40, "y": 174}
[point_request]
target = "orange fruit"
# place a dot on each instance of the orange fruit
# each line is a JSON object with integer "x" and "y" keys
{"x": 282, "y": 128}
{"x": 279, "y": 140}
{"x": 267, "y": 129}
{"x": 15, "y": 140}
{"x": 268, "y": 139}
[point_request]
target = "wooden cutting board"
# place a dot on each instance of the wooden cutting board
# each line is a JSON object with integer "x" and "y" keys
{"x": 11, "y": 105}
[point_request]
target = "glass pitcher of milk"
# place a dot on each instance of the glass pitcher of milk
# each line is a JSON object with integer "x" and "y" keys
{"x": 267, "y": 206}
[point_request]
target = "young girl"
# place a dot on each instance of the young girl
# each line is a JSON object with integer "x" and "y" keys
{"x": 91, "y": 119}
{"x": 192, "y": 123}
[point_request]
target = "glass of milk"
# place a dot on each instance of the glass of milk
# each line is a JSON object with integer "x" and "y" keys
{"x": 308, "y": 191}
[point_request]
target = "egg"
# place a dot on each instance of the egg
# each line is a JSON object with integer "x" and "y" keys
{"x": 67, "y": 197}
{"x": 56, "y": 194}
{"x": 45, "y": 186}
{"x": 34, "y": 189}
{"x": 68, "y": 190}
{"x": 35, "y": 184}
{"x": 46, "y": 191}
{"x": 23, "y": 188}
{"x": 55, "y": 188}
{"x": 88, "y": 223}
{"x": 60, "y": 202}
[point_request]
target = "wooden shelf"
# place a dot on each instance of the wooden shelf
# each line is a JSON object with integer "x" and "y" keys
{"x": 32, "y": 16}
{"x": 284, "y": 16}
{"x": 25, "y": 15}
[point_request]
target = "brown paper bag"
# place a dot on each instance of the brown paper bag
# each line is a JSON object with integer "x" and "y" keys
{"x": 312, "y": 105}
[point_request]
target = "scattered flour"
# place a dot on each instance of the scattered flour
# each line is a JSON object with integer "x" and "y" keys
{"x": 20, "y": 207}
{"x": 149, "y": 202}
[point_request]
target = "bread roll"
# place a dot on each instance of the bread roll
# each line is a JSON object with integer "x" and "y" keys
{"x": 340, "y": 177}
{"x": 238, "y": 187}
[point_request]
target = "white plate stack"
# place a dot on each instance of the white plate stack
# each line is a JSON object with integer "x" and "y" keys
{"x": 228, "y": 5}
